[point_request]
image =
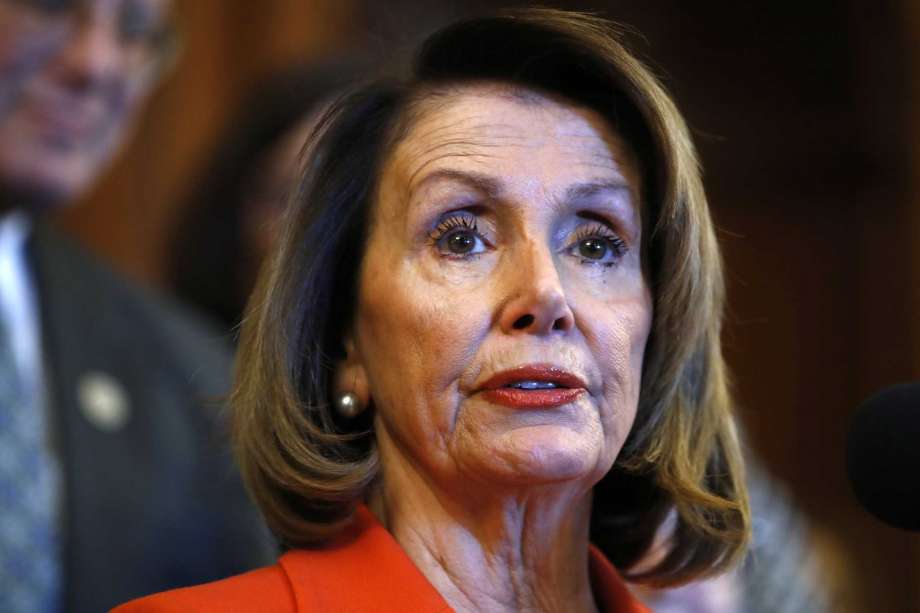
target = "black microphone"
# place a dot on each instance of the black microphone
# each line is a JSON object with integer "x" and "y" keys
{"x": 883, "y": 455}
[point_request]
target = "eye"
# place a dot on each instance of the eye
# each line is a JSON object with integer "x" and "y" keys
{"x": 597, "y": 244}
{"x": 457, "y": 236}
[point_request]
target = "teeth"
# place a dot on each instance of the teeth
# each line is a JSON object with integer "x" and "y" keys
{"x": 534, "y": 385}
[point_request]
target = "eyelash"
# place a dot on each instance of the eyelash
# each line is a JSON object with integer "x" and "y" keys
{"x": 450, "y": 225}
{"x": 592, "y": 231}
{"x": 467, "y": 222}
{"x": 600, "y": 231}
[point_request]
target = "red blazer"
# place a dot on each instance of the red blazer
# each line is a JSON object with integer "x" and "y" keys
{"x": 365, "y": 570}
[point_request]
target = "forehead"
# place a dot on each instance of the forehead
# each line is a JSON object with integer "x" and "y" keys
{"x": 516, "y": 133}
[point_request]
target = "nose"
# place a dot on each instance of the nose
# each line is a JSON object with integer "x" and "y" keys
{"x": 536, "y": 302}
{"x": 94, "y": 53}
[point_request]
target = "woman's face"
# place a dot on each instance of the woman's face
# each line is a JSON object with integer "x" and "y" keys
{"x": 503, "y": 313}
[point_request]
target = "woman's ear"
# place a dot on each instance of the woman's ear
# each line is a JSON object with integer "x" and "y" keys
{"x": 350, "y": 376}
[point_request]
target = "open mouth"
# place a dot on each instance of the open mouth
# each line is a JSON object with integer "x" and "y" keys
{"x": 535, "y": 386}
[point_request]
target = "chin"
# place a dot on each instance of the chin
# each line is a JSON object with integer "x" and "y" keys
{"x": 550, "y": 454}
{"x": 42, "y": 187}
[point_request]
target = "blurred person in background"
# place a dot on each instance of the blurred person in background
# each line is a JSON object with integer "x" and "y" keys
{"x": 788, "y": 568}
{"x": 114, "y": 481}
{"x": 230, "y": 217}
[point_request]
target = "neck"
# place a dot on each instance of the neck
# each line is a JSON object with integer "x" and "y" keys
{"x": 508, "y": 551}
{"x": 30, "y": 200}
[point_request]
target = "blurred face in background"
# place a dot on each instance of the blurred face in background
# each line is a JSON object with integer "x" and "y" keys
{"x": 266, "y": 190}
{"x": 72, "y": 76}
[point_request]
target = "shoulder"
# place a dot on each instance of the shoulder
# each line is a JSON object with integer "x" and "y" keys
{"x": 265, "y": 589}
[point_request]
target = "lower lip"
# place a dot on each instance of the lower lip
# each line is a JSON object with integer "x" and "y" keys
{"x": 532, "y": 399}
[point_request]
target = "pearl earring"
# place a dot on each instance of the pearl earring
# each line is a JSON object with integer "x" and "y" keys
{"x": 347, "y": 405}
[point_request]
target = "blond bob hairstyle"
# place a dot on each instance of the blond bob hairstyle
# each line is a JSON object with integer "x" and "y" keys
{"x": 307, "y": 468}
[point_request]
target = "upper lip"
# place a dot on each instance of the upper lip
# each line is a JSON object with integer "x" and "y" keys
{"x": 77, "y": 121}
{"x": 534, "y": 372}
{"x": 76, "y": 114}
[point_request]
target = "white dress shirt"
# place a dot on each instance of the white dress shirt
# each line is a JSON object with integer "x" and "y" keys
{"x": 18, "y": 305}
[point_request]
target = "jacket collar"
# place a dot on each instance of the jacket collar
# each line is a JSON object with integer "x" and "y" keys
{"x": 366, "y": 570}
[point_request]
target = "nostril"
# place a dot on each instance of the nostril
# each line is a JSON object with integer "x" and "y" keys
{"x": 559, "y": 324}
{"x": 523, "y": 322}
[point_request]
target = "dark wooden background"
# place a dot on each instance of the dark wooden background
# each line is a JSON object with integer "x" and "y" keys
{"x": 806, "y": 117}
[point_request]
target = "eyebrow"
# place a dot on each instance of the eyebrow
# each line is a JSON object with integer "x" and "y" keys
{"x": 584, "y": 191}
{"x": 492, "y": 187}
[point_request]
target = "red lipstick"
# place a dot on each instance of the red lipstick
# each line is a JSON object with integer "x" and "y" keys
{"x": 536, "y": 386}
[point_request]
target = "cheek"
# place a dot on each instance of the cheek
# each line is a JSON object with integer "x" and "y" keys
{"x": 27, "y": 48}
{"x": 416, "y": 335}
{"x": 623, "y": 341}
{"x": 617, "y": 336}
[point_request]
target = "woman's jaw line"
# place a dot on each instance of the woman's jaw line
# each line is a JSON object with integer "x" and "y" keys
{"x": 458, "y": 540}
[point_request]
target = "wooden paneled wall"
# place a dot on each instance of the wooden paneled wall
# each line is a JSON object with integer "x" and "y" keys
{"x": 911, "y": 24}
{"x": 802, "y": 113}
{"x": 806, "y": 116}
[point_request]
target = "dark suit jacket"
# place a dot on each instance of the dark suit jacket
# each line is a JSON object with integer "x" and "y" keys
{"x": 155, "y": 503}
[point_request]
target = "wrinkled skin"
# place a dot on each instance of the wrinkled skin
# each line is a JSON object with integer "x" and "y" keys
{"x": 506, "y": 232}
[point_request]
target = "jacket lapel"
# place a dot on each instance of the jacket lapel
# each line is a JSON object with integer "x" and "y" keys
{"x": 100, "y": 400}
{"x": 364, "y": 570}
